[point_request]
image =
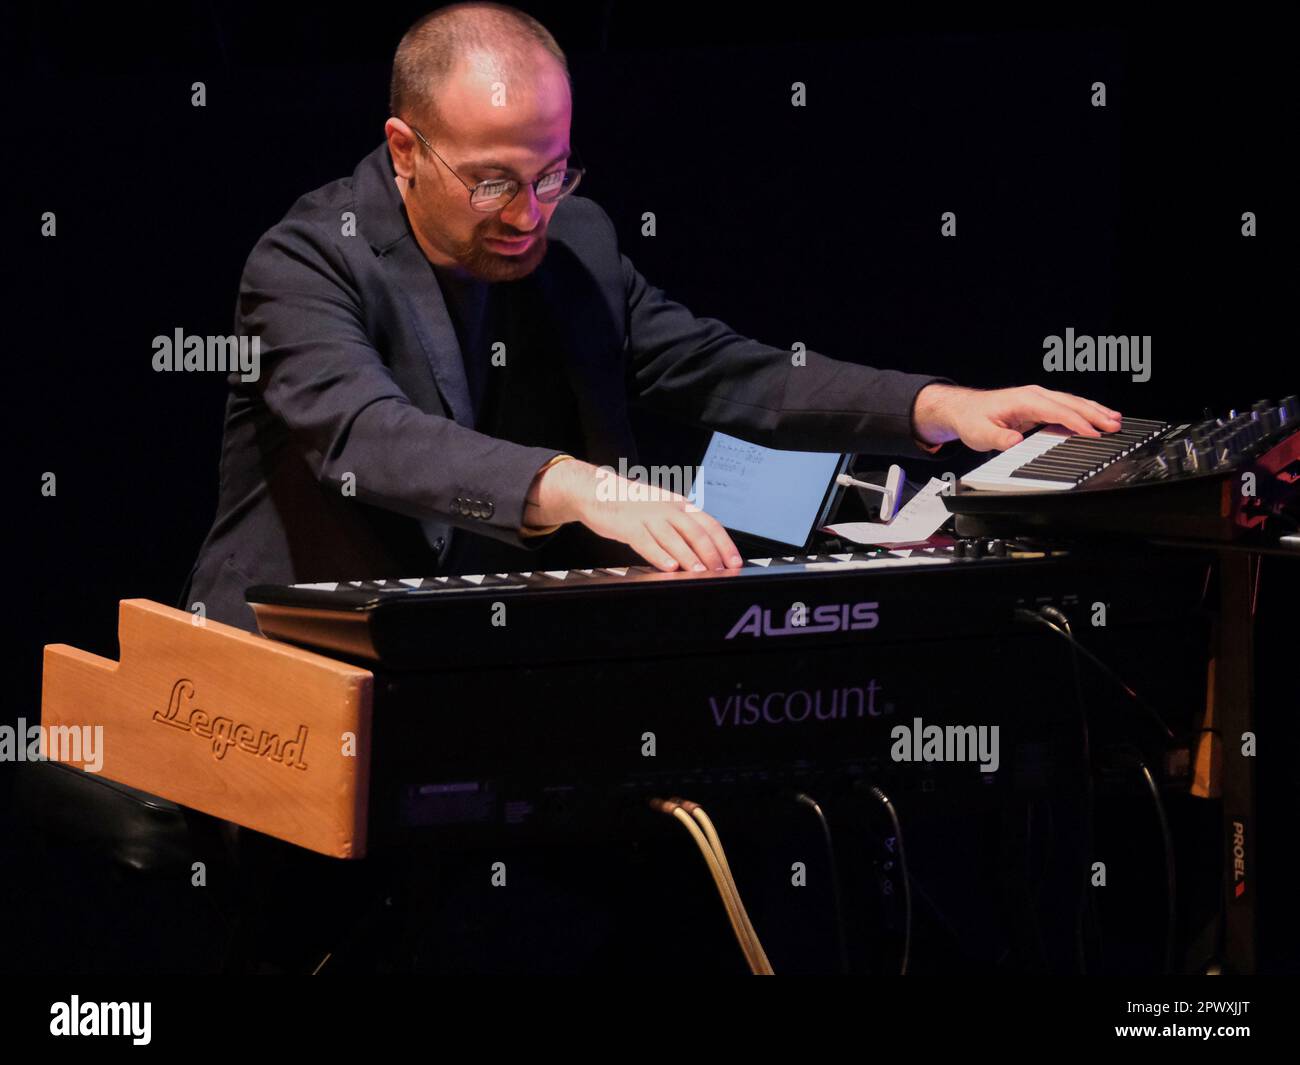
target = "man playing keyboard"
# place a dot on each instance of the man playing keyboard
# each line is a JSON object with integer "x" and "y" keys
{"x": 450, "y": 342}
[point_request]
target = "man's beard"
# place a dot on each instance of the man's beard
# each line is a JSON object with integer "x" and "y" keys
{"x": 480, "y": 260}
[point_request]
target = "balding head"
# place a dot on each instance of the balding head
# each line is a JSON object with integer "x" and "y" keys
{"x": 481, "y": 94}
{"x": 501, "y": 44}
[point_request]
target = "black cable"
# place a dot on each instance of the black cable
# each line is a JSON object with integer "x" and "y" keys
{"x": 907, "y": 880}
{"x": 917, "y": 888}
{"x": 1171, "y": 886}
{"x": 811, "y": 803}
{"x": 1032, "y": 889}
{"x": 1089, "y": 797}
{"x": 1039, "y": 619}
{"x": 1053, "y": 619}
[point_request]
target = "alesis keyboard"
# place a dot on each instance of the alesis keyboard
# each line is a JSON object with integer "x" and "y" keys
{"x": 950, "y": 590}
{"x": 1219, "y": 479}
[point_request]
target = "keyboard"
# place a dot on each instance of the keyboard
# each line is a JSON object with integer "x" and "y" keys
{"x": 1152, "y": 479}
{"x": 1056, "y": 460}
{"x": 948, "y": 589}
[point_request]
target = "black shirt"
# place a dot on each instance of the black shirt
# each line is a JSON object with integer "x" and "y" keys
{"x": 524, "y": 396}
{"x": 467, "y": 301}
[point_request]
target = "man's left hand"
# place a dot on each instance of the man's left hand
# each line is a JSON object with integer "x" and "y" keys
{"x": 985, "y": 421}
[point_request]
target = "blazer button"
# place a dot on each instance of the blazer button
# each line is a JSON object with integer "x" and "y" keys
{"x": 437, "y": 544}
{"x": 488, "y": 508}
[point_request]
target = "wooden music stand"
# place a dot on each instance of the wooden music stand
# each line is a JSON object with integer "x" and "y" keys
{"x": 267, "y": 735}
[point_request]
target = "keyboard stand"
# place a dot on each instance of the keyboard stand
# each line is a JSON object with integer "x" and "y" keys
{"x": 1234, "y": 672}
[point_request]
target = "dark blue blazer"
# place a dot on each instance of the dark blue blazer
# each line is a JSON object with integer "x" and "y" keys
{"x": 353, "y": 454}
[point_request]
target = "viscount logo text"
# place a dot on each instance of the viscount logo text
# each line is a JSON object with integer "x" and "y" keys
{"x": 794, "y": 707}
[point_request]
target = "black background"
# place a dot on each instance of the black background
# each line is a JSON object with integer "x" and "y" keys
{"x": 817, "y": 224}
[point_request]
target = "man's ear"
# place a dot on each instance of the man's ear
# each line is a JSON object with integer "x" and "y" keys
{"x": 402, "y": 147}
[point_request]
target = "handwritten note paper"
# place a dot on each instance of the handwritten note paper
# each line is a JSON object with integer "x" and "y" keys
{"x": 917, "y": 521}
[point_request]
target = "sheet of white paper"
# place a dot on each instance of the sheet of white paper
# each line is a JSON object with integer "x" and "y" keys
{"x": 918, "y": 520}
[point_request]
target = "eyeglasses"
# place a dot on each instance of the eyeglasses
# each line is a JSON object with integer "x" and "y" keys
{"x": 494, "y": 193}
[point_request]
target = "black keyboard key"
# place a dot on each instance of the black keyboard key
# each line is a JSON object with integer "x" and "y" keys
{"x": 1064, "y": 478}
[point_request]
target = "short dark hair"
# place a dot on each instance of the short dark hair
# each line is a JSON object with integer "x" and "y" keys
{"x": 430, "y": 50}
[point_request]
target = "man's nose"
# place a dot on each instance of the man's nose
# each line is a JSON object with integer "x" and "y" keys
{"x": 524, "y": 211}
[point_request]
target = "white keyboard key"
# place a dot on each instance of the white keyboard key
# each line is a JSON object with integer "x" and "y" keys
{"x": 883, "y": 562}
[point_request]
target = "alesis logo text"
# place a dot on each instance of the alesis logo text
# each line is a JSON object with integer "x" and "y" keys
{"x": 800, "y": 620}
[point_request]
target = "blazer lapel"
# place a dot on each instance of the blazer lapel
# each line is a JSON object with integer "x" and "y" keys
{"x": 414, "y": 279}
{"x": 382, "y": 219}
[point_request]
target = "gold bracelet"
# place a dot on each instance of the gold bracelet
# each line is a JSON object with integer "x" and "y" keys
{"x": 543, "y": 530}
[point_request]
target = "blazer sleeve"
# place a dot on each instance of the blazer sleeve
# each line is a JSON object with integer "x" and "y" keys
{"x": 702, "y": 371}
{"x": 324, "y": 379}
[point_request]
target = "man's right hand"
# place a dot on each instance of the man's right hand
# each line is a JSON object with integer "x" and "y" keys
{"x": 664, "y": 528}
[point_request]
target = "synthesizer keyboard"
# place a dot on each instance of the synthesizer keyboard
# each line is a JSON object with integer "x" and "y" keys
{"x": 449, "y": 622}
{"x": 1151, "y": 478}
{"x": 1055, "y": 460}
